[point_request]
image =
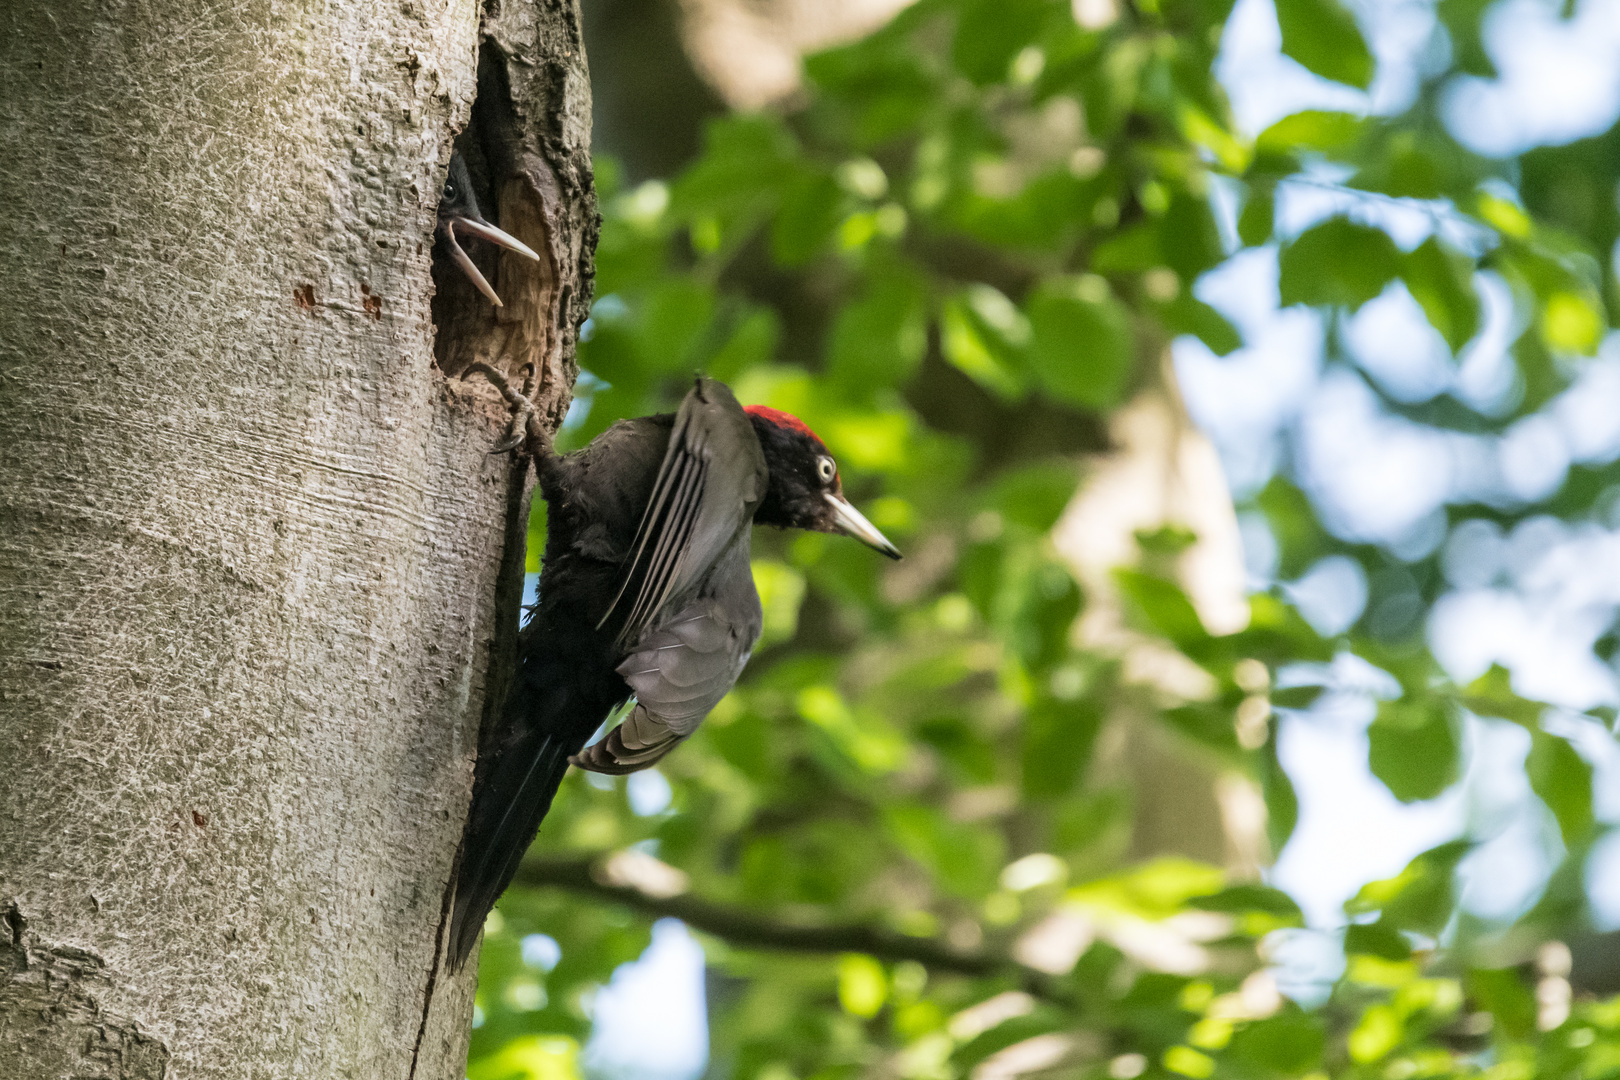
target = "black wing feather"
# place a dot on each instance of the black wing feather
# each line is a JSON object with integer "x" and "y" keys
{"x": 711, "y": 478}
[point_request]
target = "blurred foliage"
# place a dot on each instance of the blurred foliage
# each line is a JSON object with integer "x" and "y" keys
{"x": 985, "y": 201}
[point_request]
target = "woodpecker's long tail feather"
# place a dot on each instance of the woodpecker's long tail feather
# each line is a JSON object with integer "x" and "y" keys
{"x": 518, "y": 775}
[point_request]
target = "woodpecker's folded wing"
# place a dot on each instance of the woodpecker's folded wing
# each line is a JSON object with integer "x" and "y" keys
{"x": 712, "y": 478}
{"x": 678, "y": 672}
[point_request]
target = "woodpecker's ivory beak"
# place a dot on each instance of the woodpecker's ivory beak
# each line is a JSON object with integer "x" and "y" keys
{"x": 488, "y": 232}
{"x": 851, "y": 522}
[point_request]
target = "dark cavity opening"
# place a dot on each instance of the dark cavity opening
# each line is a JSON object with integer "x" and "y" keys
{"x": 504, "y": 178}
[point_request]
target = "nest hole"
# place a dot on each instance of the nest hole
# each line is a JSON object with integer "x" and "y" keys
{"x": 505, "y": 181}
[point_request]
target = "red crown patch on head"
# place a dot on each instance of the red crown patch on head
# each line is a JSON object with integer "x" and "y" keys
{"x": 781, "y": 419}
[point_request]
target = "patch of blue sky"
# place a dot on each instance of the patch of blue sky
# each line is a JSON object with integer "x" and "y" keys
{"x": 650, "y": 1021}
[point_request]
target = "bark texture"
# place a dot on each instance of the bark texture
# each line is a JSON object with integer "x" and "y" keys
{"x": 257, "y": 573}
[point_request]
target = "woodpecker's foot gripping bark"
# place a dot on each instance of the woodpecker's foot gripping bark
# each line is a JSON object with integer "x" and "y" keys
{"x": 525, "y": 431}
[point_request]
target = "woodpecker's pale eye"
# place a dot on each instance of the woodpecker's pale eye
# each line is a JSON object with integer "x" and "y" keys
{"x": 826, "y": 469}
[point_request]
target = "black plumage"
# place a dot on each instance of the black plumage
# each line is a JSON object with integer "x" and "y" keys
{"x": 458, "y": 211}
{"x": 646, "y": 592}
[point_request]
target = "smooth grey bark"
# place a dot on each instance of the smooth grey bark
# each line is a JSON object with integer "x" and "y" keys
{"x": 257, "y": 573}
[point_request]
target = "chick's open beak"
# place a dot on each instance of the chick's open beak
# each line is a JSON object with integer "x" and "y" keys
{"x": 483, "y": 229}
{"x": 851, "y": 522}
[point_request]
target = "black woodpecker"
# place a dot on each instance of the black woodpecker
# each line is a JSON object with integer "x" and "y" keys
{"x": 458, "y": 211}
{"x": 645, "y": 593}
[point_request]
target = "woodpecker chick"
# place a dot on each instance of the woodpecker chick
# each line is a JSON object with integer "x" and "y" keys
{"x": 458, "y": 211}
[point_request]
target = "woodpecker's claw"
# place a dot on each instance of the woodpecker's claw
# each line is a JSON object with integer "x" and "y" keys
{"x": 524, "y": 428}
{"x": 516, "y": 433}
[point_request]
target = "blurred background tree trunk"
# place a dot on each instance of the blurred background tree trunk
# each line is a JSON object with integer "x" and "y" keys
{"x": 256, "y": 567}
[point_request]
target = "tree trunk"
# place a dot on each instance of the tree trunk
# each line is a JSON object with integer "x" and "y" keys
{"x": 258, "y": 575}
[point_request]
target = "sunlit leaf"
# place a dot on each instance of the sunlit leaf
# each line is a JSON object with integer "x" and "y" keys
{"x": 1419, "y": 898}
{"x": 1492, "y": 695}
{"x": 1323, "y": 36}
{"x": 1441, "y": 280}
{"x": 1563, "y": 780}
{"x": 1166, "y": 607}
{"x": 1378, "y": 1032}
{"x": 1413, "y": 747}
{"x": 531, "y": 1057}
{"x": 862, "y": 985}
{"x": 1312, "y": 129}
{"x": 975, "y": 353}
{"x": 1338, "y": 262}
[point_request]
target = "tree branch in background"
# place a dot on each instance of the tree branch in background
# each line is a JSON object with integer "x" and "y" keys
{"x": 656, "y": 890}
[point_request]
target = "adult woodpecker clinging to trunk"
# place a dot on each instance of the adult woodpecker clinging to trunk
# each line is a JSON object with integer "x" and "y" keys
{"x": 645, "y": 591}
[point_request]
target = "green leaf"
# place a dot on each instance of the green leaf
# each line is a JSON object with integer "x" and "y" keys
{"x": 1492, "y": 695}
{"x": 1338, "y": 262}
{"x": 1259, "y": 216}
{"x": 990, "y": 33}
{"x": 1037, "y": 611}
{"x": 1276, "y": 634}
{"x": 1017, "y": 1029}
{"x": 1189, "y": 237}
{"x": 1166, "y": 607}
{"x": 1412, "y": 747}
{"x": 1290, "y": 1042}
{"x": 811, "y": 210}
{"x": 1442, "y": 281}
{"x": 1282, "y": 804}
{"x": 1323, "y": 36}
{"x": 1502, "y": 993}
{"x": 1380, "y": 1030}
{"x": 1419, "y": 898}
{"x": 1379, "y": 939}
{"x": 1210, "y": 724}
{"x": 1058, "y": 737}
{"x": 1154, "y": 889}
{"x": 1301, "y": 540}
{"x": 862, "y": 985}
{"x": 966, "y": 857}
{"x": 1463, "y": 20}
{"x": 879, "y": 339}
{"x": 874, "y": 89}
{"x": 745, "y": 158}
{"x": 864, "y": 739}
{"x": 1296, "y": 697}
{"x": 674, "y": 317}
{"x": 1312, "y": 129}
{"x": 1237, "y": 899}
{"x": 974, "y": 352}
{"x": 752, "y": 344}
{"x": 1129, "y": 251}
{"x": 1081, "y": 342}
{"x": 1189, "y": 315}
{"x": 529, "y": 1057}
{"x": 1036, "y": 495}
{"x": 781, "y": 591}
{"x": 1562, "y": 779}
